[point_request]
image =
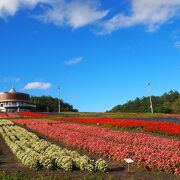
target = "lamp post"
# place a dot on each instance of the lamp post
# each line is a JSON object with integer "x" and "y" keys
{"x": 59, "y": 103}
{"x": 150, "y": 99}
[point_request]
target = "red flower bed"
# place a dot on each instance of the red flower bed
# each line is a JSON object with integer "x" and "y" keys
{"x": 31, "y": 114}
{"x": 146, "y": 150}
{"x": 35, "y": 121}
{"x": 163, "y": 127}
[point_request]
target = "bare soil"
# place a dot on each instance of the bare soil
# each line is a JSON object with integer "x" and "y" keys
{"x": 117, "y": 171}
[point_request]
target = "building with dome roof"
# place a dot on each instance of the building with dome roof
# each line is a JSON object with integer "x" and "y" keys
{"x": 13, "y": 101}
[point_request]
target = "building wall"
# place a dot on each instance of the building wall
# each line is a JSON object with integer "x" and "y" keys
{"x": 5, "y": 97}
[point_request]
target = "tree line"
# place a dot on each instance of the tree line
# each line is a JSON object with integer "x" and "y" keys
{"x": 50, "y": 104}
{"x": 169, "y": 102}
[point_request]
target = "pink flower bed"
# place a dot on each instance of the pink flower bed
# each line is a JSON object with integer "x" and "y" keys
{"x": 146, "y": 150}
{"x": 109, "y": 134}
{"x": 8, "y": 115}
{"x": 11, "y": 115}
{"x": 3, "y": 115}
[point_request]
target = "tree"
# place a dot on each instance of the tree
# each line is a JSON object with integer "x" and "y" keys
{"x": 167, "y": 103}
{"x": 50, "y": 104}
{"x": 176, "y": 106}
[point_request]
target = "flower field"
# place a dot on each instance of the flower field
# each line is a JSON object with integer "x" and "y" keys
{"x": 24, "y": 114}
{"x": 120, "y": 115}
{"x": 36, "y": 153}
{"x": 31, "y": 114}
{"x": 153, "y": 126}
{"x": 96, "y": 137}
{"x": 8, "y": 115}
{"x": 161, "y": 119}
{"x": 146, "y": 150}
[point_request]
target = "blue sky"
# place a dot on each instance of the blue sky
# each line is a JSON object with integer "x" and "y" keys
{"x": 100, "y": 53}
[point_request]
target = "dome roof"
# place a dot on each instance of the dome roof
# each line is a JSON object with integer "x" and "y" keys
{"x": 12, "y": 90}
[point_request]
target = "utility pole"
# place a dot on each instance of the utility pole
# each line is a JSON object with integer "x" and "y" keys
{"x": 59, "y": 103}
{"x": 150, "y": 99}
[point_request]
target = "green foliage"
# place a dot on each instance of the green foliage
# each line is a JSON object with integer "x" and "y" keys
{"x": 176, "y": 106}
{"x": 85, "y": 164}
{"x": 14, "y": 176}
{"x": 50, "y": 104}
{"x": 101, "y": 165}
{"x": 65, "y": 162}
{"x": 167, "y": 103}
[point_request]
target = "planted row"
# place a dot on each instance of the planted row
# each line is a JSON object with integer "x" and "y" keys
{"x": 153, "y": 126}
{"x": 31, "y": 114}
{"x": 36, "y": 153}
{"x": 6, "y": 123}
{"x": 8, "y": 115}
{"x": 137, "y": 139}
{"x": 147, "y": 150}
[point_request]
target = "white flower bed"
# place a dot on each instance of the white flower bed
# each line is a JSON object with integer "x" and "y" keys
{"x": 36, "y": 153}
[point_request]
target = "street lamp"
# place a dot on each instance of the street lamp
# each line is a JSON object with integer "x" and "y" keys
{"x": 59, "y": 103}
{"x": 150, "y": 99}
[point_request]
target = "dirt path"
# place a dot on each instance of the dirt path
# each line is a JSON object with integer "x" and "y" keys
{"x": 9, "y": 163}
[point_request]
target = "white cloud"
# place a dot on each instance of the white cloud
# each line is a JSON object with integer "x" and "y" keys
{"x": 74, "y": 61}
{"x": 73, "y": 13}
{"x": 82, "y": 14}
{"x": 177, "y": 45}
{"x": 10, "y": 7}
{"x": 10, "y": 80}
{"x": 37, "y": 85}
{"x": 78, "y": 13}
{"x": 151, "y": 13}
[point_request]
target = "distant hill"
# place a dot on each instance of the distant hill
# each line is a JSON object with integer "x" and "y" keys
{"x": 167, "y": 103}
{"x": 50, "y": 104}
